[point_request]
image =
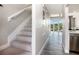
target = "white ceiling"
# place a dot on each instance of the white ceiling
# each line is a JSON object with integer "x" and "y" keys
{"x": 54, "y": 8}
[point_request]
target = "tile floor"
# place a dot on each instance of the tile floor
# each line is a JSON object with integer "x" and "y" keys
{"x": 54, "y": 45}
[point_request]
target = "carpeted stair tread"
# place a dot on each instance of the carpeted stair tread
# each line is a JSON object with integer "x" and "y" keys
{"x": 24, "y": 46}
{"x": 23, "y": 39}
{"x": 25, "y": 32}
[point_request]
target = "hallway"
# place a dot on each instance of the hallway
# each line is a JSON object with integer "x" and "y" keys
{"x": 54, "y": 45}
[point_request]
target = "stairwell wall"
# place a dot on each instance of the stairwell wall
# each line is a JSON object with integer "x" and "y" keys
{"x": 6, "y": 28}
{"x": 41, "y": 28}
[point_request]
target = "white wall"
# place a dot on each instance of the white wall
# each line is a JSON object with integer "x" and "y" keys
{"x": 13, "y": 8}
{"x": 66, "y": 30}
{"x": 7, "y": 27}
{"x": 3, "y": 26}
{"x": 73, "y": 7}
{"x": 41, "y": 29}
{"x": 10, "y": 9}
{"x": 77, "y": 20}
{"x": 74, "y": 10}
{"x": 76, "y": 15}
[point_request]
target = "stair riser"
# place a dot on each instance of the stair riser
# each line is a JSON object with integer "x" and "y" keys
{"x": 30, "y": 26}
{"x": 26, "y": 30}
{"x": 23, "y": 39}
{"x": 25, "y": 33}
{"x": 26, "y": 47}
{"x": 28, "y": 41}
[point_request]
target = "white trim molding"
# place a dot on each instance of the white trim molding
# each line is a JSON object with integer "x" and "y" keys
{"x": 16, "y": 14}
{"x": 41, "y": 50}
{"x": 66, "y": 51}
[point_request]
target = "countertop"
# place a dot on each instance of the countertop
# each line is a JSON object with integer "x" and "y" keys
{"x": 74, "y": 32}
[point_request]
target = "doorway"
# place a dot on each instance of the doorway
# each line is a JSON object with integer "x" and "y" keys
{"x": 56, "y": 28}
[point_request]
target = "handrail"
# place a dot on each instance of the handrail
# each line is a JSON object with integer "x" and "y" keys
{"x": 16, "y": 14}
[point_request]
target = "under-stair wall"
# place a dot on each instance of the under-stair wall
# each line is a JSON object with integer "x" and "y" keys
{"x": 41, "y": 29}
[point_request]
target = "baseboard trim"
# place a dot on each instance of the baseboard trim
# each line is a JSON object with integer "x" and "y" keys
{"x": 4, "y": 46}
{"x": 66, "y": 51}
{"x": 41, "y": 50}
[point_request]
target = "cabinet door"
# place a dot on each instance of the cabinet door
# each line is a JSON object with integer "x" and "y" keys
{"x": 71, "y": 43}
{"x": 77, "y": 44}
{"x": 74, "y": 43}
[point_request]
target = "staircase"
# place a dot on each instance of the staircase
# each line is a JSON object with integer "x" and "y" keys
{"x": 22, "y": 43}
{"x": 23, "y": 39}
